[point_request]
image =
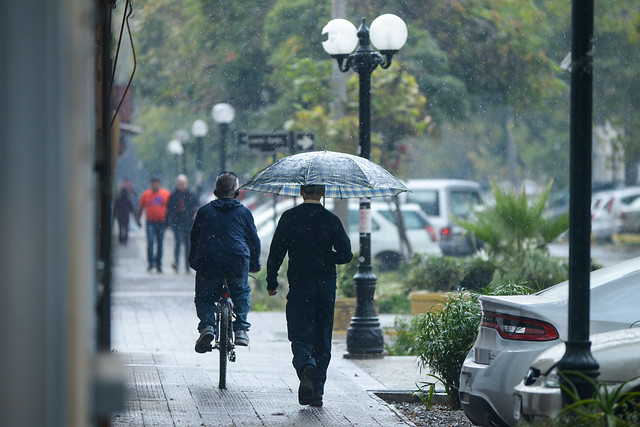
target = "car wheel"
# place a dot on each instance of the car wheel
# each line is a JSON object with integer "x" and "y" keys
{"x": 387, "y": 261}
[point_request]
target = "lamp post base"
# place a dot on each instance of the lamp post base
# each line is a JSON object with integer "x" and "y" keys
{"x": 364, "y": 336}
{"x": 365, "y": 341}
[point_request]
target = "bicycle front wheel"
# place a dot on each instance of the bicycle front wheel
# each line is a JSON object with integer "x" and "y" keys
{"x": 224, "y": 345}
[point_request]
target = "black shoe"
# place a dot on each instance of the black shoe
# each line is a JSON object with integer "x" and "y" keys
{"x": 317, "y": 402}
{"x": 149, "y": 268}
{"x": 305, "y": 391}
{"x": 175, "y": 267}
{"x": 204, "y": 341}
{"x": 159, "y": 269}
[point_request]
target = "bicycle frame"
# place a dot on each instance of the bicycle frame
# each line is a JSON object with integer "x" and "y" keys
{"x": 225, "y": 299}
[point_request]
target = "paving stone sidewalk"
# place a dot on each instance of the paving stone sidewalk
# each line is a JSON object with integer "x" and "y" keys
{"x": 154, "y": 331}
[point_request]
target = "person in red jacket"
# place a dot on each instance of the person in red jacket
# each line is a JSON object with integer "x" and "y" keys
{"x": 154, "y": 200}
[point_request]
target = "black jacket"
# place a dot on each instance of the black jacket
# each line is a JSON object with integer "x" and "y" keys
{"x": 224, "y": 240}
{"x": 181, "y": 208}
{"x": 315, "y": 241}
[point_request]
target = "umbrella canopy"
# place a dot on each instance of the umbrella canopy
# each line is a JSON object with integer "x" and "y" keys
{"x": 344, "y": 176}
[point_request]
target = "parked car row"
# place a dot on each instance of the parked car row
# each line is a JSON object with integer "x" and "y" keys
{"x": 428, "y": 212}
{"x": 615, "y": 211}
{"x": 386, "y": 247}
{"x": 516, "y": 329}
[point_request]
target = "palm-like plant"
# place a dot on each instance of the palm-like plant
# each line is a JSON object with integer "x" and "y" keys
{"x": 517, "y": 234}
{"x": 516, "y": 223}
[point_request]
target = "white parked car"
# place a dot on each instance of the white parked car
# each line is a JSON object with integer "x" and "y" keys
{"x": 606, "y": 211}
{"x": 445, "y": 199}
{"x": 601, "y": 215}
{"x": 515, "y": 329}
{"x": 626, "y": 215}
{"x": 539, "y": 396}
{"x": 386, "y": 250}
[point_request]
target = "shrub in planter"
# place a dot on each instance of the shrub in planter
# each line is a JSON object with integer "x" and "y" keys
{"x": 477, "y": 274}
{"x": 435, "y": 274}
{"x": 444, "y": 338}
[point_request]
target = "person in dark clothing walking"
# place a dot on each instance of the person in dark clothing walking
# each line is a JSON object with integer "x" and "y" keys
{"x": 122, "y": 211}
{"x": 224, "y": 243}
{"x": 181, "y": 210}
{"x": 315, "y": 241}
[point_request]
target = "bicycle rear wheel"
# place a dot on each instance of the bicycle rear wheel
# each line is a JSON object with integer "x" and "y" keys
{"x": 225, "y": 319}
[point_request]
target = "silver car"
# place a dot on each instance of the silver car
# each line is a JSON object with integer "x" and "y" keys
{"x": 515, "y": 329}
{"x": 538, "y": 396}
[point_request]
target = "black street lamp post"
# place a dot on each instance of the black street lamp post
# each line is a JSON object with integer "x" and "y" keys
{"x": 175, "y": 147}
{"x": 578, "y": 357}
{"x": 388, "y": 33}
{"x": 223, "y": 114}
{"x": 183, "y": 136}
{"x": 199, "y": 129}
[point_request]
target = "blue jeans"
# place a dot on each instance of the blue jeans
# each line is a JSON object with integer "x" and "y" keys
{"x": 310, "y": 306}
{"x": 207, "y": 296}
{"x": 155, "y": 235}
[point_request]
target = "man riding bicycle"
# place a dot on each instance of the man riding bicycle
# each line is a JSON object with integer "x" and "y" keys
{"x": 224, "y": 244}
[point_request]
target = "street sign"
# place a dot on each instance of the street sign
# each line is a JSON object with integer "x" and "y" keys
{"x": 276, "y": 142}
{"x": 302, "y": 141}
{"x": 264, "y": 142}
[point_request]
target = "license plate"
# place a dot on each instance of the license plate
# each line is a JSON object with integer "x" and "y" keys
{"x": 517, "y": 406}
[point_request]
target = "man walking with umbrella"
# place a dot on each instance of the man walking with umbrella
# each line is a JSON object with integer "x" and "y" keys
{"x": 315, "y": 241}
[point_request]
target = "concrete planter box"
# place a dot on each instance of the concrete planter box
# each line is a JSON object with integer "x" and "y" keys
{"x": 425, "y": 301}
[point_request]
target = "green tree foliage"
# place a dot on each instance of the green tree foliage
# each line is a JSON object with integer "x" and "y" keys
{"x": 467, "y": 65}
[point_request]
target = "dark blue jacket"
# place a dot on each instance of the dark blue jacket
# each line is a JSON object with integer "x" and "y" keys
{"x": 224, "y": 240}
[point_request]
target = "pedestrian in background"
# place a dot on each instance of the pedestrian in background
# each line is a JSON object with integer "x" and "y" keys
{"x": 122, "y": 211}
{"x": 154, "y": 201}
{"x": 181, "y": 210}
{"x": 224, "y": 244}
{"x": 315, "y": 241}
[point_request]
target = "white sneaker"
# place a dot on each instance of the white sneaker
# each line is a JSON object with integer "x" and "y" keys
{"x": 204, "y": 342}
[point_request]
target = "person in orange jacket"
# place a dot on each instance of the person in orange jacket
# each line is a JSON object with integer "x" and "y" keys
{"x": 154, "y": 200}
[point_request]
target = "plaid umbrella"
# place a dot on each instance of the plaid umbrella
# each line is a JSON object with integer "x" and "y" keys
{"x": 344, "y": 176}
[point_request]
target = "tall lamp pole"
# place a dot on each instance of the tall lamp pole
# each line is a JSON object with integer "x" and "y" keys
{"x": 175, "y": 147}
{"x": 388, "y": 33}
{"x": 223, "y": 114}
{"x": 182, "y": 135}
{"x": 199, "y": 129}
{"x": 578, "y": 357}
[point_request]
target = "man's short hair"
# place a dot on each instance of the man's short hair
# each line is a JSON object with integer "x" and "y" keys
{"x": 312, "y": 190}
{"x": 227, "y": 184}
{"x": 155, "y": 179}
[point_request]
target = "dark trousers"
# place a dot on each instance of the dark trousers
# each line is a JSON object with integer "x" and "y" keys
{"x": 310, "y": 305}
{"x": 182, "y": 238}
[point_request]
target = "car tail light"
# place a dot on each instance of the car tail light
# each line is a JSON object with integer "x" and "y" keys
{"x": 519, "y": 328}
{"x": 431, "y": 232}
{"x": 609, "y": 205}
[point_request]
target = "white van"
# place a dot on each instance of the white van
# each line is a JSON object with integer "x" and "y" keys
{"x": 445, "y": 199}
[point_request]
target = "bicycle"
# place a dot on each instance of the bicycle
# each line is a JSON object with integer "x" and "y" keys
{"x": 224, "y": 333}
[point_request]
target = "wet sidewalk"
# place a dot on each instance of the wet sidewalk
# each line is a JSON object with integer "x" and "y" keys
{"x": 154, "y": 331}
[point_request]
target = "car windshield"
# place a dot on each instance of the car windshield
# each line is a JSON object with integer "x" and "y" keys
{"x": 462, "y": 202}
{"x": 427, "y": 199}
{"x": 412, "y": 219}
